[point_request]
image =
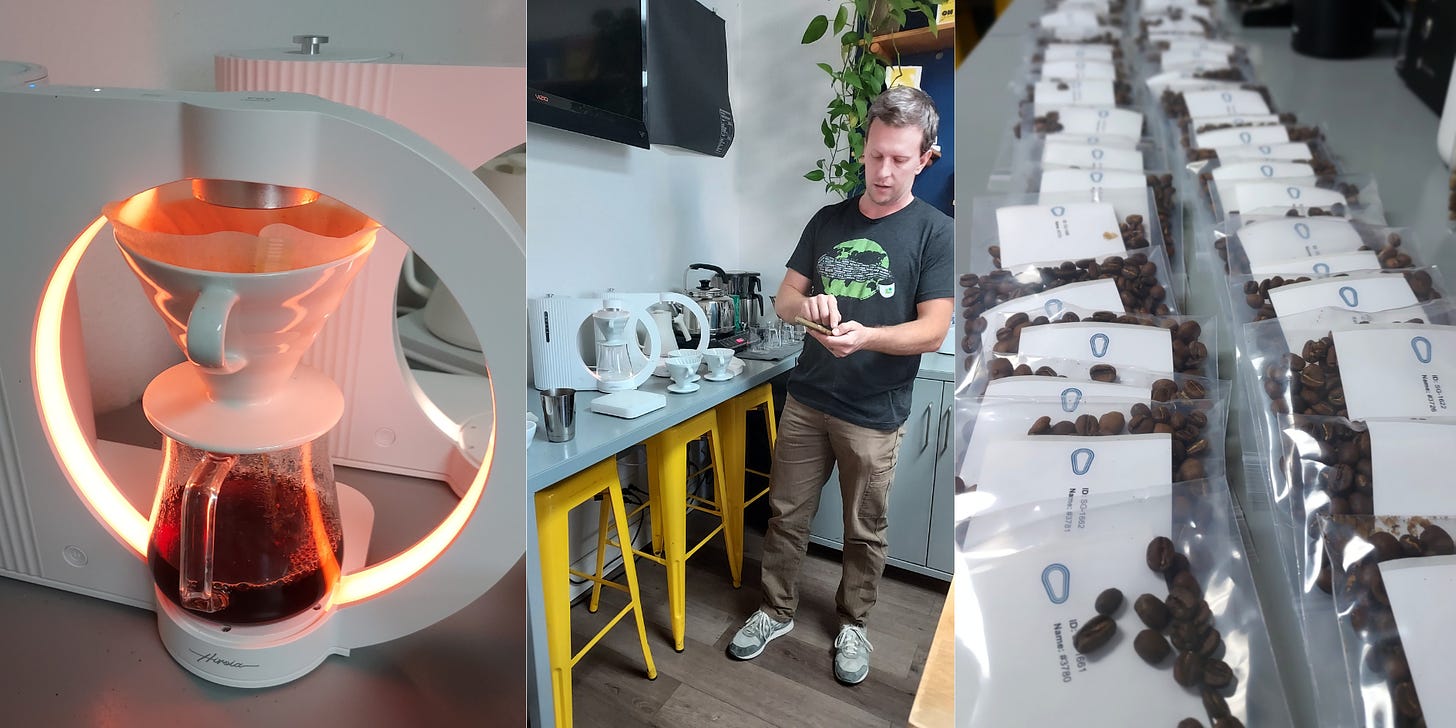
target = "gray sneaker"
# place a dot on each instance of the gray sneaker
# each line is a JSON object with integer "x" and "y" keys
{"x": 757, "y": 632}
{"x": 851, "y": 655}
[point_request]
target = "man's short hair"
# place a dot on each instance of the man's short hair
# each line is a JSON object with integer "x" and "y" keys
{"x": 906, "y": 106}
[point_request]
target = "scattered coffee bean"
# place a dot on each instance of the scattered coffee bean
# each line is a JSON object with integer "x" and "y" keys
{"x": 1151, "y": 646}
{"x": 1094, "y": 634}
{"x": 1160, "y": 554}
{"x": 1217, "y": 674}
{"x": 1214, "y": 704}
{"x": 1188, "y": 669}
{"x": 1151, "y": 611}
{"x": 1108, "y": 602}
{"x": 1190, "y": 723}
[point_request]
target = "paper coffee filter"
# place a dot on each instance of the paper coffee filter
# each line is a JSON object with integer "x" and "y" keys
{"x": 169, "y": 225}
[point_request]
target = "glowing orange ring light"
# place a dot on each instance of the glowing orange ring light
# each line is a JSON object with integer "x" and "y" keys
{"x": 86, "y": 474}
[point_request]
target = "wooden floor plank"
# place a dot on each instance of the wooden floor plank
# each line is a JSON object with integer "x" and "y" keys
{"x": 790, "y": 685}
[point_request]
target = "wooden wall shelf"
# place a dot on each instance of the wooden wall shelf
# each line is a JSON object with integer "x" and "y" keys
{"x": 917, "y": 40}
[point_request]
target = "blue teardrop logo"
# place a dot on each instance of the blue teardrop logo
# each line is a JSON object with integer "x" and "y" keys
{"x": 1071, "y": 399}
{"x": 1226, "y": 96}
{"x": 1094, "y": 140}
{"x": 1422, "y": 347}
{"x": 1057, "y": 580}
{"x": 1265, "y": 149}
{"x": 1302, "y": 230}
{"x": 1103, "y": 113}
{"x": 1096, "y": 153}
{"x": 1266, "y": 170}
{"x": 1293, "y": 192}
{"x": 1322, "y": 268}
{"x": 1082, "y": 460}
{"x": 1058, "y": 211}
{"x": 1098, "y": 344}
{"x": 1053, "y": 307}
{"x": 1350, "y": 296}
{"x": 1246, "y": 137}
{"x": 1097, "y": 177}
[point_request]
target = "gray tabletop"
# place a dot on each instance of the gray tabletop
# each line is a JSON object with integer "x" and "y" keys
{"x": 71, "y": 660}
{"x": 1373, "y": 123}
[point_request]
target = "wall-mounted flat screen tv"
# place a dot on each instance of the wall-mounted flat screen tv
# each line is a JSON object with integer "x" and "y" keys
{"x": 586, "y": 67}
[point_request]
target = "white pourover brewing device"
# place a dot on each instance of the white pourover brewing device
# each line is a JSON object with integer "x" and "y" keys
{"x": 79, "y": 513}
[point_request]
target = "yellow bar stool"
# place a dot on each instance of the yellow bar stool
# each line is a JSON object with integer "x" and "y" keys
{"x": 552, "y": 506}
{"x": 733, "y": 418}
{"x": 669, "y": 502}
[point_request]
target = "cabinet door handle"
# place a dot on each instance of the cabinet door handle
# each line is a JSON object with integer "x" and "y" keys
{"x": 945, "y": 426}
{"x": 925, "y": 442}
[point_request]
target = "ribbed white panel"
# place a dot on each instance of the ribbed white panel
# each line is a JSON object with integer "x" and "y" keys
{"x": 17, "y": 540}
{"x": 363, "y": 85}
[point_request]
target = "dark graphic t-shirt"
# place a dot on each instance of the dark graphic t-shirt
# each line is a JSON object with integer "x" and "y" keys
{"x": 878, "y": 270}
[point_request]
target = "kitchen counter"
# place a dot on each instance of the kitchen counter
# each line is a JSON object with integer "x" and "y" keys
{"x": 1373, "y": 123}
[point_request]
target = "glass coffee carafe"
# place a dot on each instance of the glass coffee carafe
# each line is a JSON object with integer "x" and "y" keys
{"x": 246, "y": 538}
{"x": 246, "y": 527}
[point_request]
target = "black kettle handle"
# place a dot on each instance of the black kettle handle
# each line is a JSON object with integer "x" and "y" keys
{"x": 722, "y": 275}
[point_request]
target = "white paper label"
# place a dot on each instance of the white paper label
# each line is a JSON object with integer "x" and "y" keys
{"x": 1082, "y": 156}
{"x": 1279, "y": 240}
{"x": 1024, "y": 604}
{"x": 1054, "y": 233}
{"x": 1369, "y": 292}
{"x": 1112, "y": 122}
{"x": 1165, "y": 24}
{"x": 1201, "y": 44}
{"x": 1185, "y": 82}
{"x": 1183, "y": 56}
{"x": 1102, "y": 7}
{"x": 1097, "y": 295}
{"x": 1320, "y": 266}
{"x": 1253, "y": 197}
{"x": 1094, "y": 140}
{"x": 1420, "y": 592}
{"x": 1075, "y": 18}
{"x": 1286, "y": 152}
{"x": 1409, "y": 467}
{"x": 1128, "y": 195}
{"x": 1270, "y": 134}
{"x": 1078, "y": 70}
{"x": 1394, "y": 371}
{"x": 1239, "y": 120}
{"x": 1049, "y": 95}
{"x": 1019, "y": 471}
{"x": 1233, "y": 102}
{"x": 1195, "y": 67}
{"x": 1228, "y": 178}
{"x": 1064, "y": 397}
{"x": 1093, "y": 343}
{"x": 1078, "y": 52}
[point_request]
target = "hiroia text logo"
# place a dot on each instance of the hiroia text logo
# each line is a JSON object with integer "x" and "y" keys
{"x": 214, "y": 659}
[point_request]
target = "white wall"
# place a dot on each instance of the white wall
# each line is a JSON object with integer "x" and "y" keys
{"x": 604, "y": 214}
{"x": 170, "y": 44}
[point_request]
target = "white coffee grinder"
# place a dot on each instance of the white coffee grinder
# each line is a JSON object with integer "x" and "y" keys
{"x": 314, "y": 180}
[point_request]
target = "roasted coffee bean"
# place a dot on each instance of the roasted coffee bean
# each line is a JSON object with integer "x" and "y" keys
{"x": 1190, "y": 470}
{"x": 1386, "y": 546}
{"x": 1190, "y": 723}
{"x": 1182, "y": 604}
{"x": 1406, "y": 702}
{"x": 1164, "y": 390}
{"x": 1187, "y": 581}
{"x": 1436, "y": 542}
{"x": 1111, "y": 423}
{"x": 1064, "y": 427}
{"x": 1214, "y": 704}
{"x": 1229, "y": 722}
{"x": 1042, "y": 426}
{"x": 1152, "y": 611}
{"x": 1151, "y": 646}
{"x": 1086, "y": 425}
{"x": 1188, "y": 669}
{"x": 1093, "y": 635}
{"x": 1108, "y": 602}
{"x": 1160, "y": 554}
{"x": 1103, "y": 373}
{"x": 1217, "y": 674}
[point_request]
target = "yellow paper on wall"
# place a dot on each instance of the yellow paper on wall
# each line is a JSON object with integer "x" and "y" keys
{"x": 945, "y": 12}
{"x": 904, "y": 76}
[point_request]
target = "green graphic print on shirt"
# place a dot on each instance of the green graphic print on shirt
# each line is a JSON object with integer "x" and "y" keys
{"x": 856, "y": 269}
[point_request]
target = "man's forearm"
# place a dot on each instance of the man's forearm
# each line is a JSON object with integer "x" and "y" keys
{"x": 920, "y": 336}
{"x": 788, "y": 303}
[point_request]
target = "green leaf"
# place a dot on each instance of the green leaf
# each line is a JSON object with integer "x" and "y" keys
{"x": 815, "y": 175}
{"x": 841, "y": 19}
{"x": 898, "y": 14}
{"x": 851, "y": 78}
{"x": 816, "y": 29}
{"x": 850, "y": 38}
{"x": 861, "y": 108}
{"x": 826, "y": 68}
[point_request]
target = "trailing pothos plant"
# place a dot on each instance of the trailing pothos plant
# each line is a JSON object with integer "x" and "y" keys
{"x": 859, "y": 78}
